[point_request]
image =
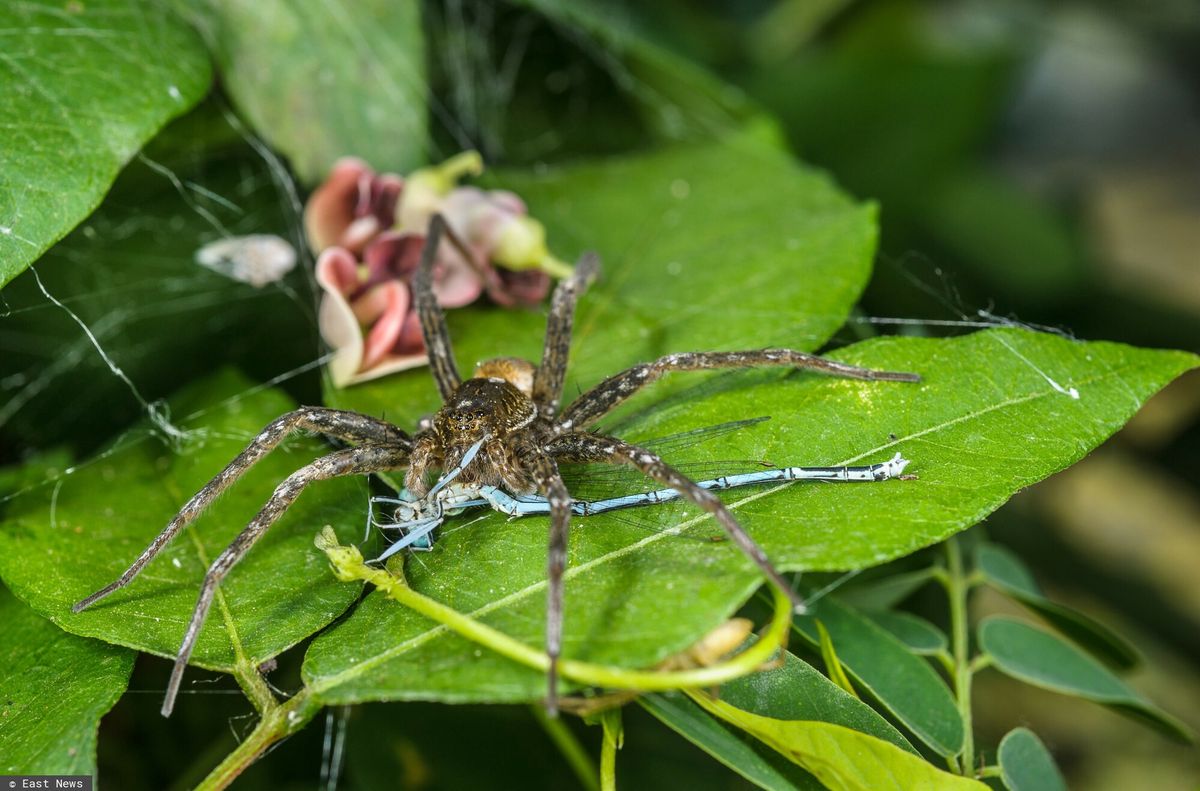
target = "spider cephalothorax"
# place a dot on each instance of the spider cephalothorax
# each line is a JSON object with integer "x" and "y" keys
{"x": 509, "y": 414}
{"x": 482, "y": 407}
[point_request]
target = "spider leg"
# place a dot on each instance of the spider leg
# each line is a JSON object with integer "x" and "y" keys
{"x": 601, "y": 399}
{"x": 340, "y": 424}
{"x": 351, "y": 461}
{"x": 549, "y": 376}
{"x": 433, "y": 320}
{"x": 578, "y": 447}
{"x": 550, "y": 483}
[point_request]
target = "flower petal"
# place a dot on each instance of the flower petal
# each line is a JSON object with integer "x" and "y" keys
{"x": 336, "y": 319}
{"x": 393, "y": 255}
{"x": 389, "y": 365}
{"x": 410, "y": 341}
{"x": 507, "y": 288}
{"x": 331, "y": 208}
{"x": 385, "y": 331}
{"x": 455, "y": 281}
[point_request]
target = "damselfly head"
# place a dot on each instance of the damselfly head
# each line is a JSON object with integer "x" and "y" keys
{"x": 407, "y": 512}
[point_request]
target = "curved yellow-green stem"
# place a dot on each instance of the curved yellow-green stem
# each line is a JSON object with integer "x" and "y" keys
{"x": 348, "y": 565}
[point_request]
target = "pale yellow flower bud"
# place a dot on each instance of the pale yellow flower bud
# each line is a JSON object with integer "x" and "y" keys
{"x": 522, "y": 245}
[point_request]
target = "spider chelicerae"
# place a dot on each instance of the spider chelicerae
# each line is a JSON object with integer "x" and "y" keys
{"x": 502, "y": 427}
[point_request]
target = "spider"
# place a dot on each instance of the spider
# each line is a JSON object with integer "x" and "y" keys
{"x": 502, "y": 427}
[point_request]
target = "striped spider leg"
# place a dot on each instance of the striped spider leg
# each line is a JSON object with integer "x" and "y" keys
{"x": 383, "y": 447}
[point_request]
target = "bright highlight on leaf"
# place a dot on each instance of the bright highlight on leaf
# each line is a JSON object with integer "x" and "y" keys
{"x": 321, "y": 81}
{"x": 793, "y": 691}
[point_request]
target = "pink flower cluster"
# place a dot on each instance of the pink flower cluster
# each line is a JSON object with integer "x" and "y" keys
{"x": 369, "y": 230}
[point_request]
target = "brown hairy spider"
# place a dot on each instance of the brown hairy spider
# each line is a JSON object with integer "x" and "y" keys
{"x": 513, "y": 407}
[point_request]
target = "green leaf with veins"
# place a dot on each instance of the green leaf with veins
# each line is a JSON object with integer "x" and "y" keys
{"x": 989, "y": 419}
{"x": 323, "y": 80}
{"x": 794, "y": 692}
{"x": 888, "y": 670}
{"x": 39, "y": 661}
{"x": 85, "y": 85}
{"x": 67, "y": 539}
{"x": 842, "y": 758}
{"x": 742, "y": 753}
{"x": 735, "y": 233}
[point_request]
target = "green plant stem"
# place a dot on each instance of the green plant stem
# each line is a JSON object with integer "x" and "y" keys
{"x": 614, "y": 736}
{"x": 957, "y": 589}
{"x": 254, "y": 685}
{"x": 574, "y": 753}
{"x": 348, "y": 565}
{"x": 278, "y": 722}
{"x": 608, "y": 764}
{"x": 946, "y": 661}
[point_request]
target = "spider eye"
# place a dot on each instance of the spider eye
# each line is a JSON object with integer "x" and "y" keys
{"x": 478, "y": 414}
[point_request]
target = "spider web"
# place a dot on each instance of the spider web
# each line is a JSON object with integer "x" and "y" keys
{"x": 114, "y": 319}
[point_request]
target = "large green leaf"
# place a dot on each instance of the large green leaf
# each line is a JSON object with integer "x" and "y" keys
{"x": 54, "y": 688}
{"x": 67, "y": 539}
{"x": 842, "y": 758}
{"x": 737, "y": 231}
{"x": 986, "y": 422}
{"x": 84, "y": 85}
{"x": 322, "y": 80}
{"x": 1040, "y": 658}
{"x": 903, "y": 682}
